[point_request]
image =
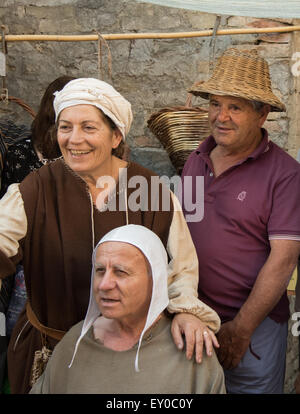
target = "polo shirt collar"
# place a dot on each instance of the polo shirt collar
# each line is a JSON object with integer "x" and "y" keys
{"x": 209, "y": 144}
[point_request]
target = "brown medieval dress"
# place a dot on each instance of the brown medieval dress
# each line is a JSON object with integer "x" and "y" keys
{"x": 56, "y": 253}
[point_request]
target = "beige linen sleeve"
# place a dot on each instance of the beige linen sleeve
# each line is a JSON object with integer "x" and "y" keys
{"x": 183, "y": 272}
{"x": 13, "y": 227}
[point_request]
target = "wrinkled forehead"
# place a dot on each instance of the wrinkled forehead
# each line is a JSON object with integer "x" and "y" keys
{"x": 122, "y": 252}
{"x": 228, "y": 99}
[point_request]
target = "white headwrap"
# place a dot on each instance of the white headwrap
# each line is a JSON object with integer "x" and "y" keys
{"x": 90, "y": 91}
{"x": 153, "y": 249}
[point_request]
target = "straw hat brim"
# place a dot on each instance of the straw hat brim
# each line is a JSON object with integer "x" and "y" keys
{"x": 204, "y": 89}
{"x": 243, "y": 74}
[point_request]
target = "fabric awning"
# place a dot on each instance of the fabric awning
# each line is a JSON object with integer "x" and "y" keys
{"x": 253, "y": 8}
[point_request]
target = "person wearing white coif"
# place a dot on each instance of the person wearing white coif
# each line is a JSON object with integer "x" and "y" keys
{"x": 128, "y": 297}
{"x": 52, "y": 221}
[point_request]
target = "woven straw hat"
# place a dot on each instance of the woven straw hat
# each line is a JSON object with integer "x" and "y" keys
{"x": 240, "y": 73}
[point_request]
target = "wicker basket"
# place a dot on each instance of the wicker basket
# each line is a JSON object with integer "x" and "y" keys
{"x": 19, "y": 102}
{"x": 180, "y": 130}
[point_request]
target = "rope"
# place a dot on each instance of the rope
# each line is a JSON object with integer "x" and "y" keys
{"x": 212, "y": 44}
{"x": 102, "y": 40}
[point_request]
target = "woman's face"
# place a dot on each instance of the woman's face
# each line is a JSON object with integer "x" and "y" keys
{"x": 86, "y": 140}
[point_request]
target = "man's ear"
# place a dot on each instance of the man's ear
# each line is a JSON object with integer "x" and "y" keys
{"x": 264, "y": 112}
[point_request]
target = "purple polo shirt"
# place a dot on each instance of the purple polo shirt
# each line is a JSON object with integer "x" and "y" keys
{"x": 247, "y": 205}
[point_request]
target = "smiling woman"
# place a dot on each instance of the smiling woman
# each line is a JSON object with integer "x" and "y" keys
{"x": 52, "y": 215}
{"x": 86, "y": 140}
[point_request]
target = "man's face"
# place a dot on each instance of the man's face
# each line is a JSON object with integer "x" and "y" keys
{"x": 234, "y": 123}
{"x": 122, "y": 283}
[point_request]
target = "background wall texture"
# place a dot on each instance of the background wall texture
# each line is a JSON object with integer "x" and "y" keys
{"x": 150, "y": 73}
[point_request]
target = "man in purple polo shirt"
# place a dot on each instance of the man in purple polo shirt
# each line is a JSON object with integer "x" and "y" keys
{"x": 248, "y": 241}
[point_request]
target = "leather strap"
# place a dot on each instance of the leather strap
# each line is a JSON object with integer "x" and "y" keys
{"x": 53, "y": 333}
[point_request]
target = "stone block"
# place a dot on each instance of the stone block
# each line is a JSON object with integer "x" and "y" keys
{"x": 92, "y": 5}
{"x": 280, "y": 75}
{"x": 239, "y": 21}
{"x": 146, "y": 141}
{"x": 246, "y": 39}
{"x": 272, "y": 127}
{"x": 54, "y": 14}
{"x": 154, "y": 159}
{"x": 21, "y": 11}
{"x": 274, "y": 50}
{"x": 149, "y": 19}
{"x": 200, "y": 21}
{"x": 271, "y": 37}
{"x": 3, "y": 12}
{"x": 275, "y": 37}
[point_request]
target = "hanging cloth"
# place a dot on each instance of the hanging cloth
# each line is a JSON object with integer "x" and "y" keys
{"x": 255, "y": 8}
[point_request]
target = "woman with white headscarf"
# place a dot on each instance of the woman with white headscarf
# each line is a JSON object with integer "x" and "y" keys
{"x": 54, "y": 218}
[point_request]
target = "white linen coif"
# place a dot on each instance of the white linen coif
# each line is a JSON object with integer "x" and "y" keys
{"x": 91, "y": 91}
{"x": 153, "y": 249}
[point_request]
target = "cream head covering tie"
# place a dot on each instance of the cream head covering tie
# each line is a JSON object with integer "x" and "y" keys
{"x": 154, "y": 251}
{"x": 90, "y": 91}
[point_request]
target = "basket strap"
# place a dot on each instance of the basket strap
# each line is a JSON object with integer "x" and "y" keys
{"x": 188, "y": 102}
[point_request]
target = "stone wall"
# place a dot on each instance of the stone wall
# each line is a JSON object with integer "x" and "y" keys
{"x": 150, "y": 73}
{"x": 292, "y": 355}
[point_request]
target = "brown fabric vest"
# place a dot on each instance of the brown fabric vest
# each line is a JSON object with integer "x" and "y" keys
{"x": 57, "y": 253}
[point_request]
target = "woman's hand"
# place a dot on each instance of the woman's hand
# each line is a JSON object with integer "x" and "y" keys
{"x": 196, "y": 333}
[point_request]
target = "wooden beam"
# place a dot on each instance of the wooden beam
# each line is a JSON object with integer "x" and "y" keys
{"x": 130, "y": 36}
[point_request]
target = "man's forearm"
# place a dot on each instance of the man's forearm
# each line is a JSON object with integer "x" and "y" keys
{"x": 270, "y": 285}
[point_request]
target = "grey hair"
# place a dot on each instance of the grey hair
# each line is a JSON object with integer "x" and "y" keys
{"x": 257, "y": 105}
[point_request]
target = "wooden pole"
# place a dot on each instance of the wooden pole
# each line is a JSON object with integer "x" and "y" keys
{"x": 130, "y": 36}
